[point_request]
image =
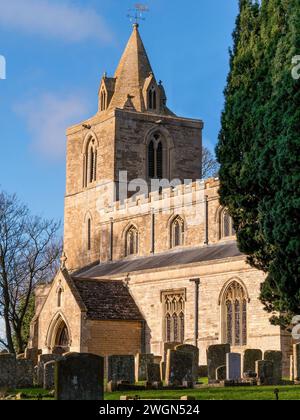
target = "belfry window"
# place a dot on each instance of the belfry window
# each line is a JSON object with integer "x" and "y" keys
{"x": 235, "y": 315}
{"x": 103, "y": 100}
{"x": 177, "y": 232}
{"x": 226, "y": 225}
{"x": 152, "y": 98}
{"x": 90, "y": 163}
{"x": 156, "y": 157}
{"x": 132, "y": 242}
{"x": 174, "y": 308}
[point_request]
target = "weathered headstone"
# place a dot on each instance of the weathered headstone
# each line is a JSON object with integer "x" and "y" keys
{"x": 141, "y": 362}
{"x": 179, "y": 367}
{"x": 292, "y": 368}
{"x": 233, "y": 366}
{"x": 24, "y": 373}
{"x": 251, "y": 356}
{"x": 296, "y": 352}
{"x": 153, "y": 373}
{"x": 276, "y": 358}
{"x": 49, "y": 369}
{"x": 7, "y": 370}
{"x": 79, "y": 377}
{"x": 39, "y": 369}
{"x": 169, "y": 346}
{"x": 163, "y": 371}
{"x": 120, "y": 368}
{"x": 221, "y": 373}
{"x": 187, "y": 348}
{"x": 264, "y": 370}
{"x": 157, "y": 360}
{"x": 216, "y": 357}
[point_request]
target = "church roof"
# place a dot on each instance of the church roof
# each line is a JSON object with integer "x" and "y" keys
{"x": 170, "y": 259}
{"x": 107, "y": 300}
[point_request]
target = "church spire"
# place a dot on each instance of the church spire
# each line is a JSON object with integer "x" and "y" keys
{"x": 132, "y": 72}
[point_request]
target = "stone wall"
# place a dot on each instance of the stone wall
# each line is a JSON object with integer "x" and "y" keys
{"x": 15, "y": 373}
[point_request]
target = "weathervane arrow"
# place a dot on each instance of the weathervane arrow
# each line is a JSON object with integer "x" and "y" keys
{"x": 138, "y": 11}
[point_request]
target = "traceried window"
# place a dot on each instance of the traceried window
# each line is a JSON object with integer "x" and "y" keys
{"x": 226, "y": 225}
{"x": 152, "y": 98}
{"x": 177, "y": 232}
{"x": 90, "y": 163}
{"x": 174, "y": 308}
{"x": 132, "y": 241}
{"x": 235, "y": 315}
{"x": 156, "y": 157}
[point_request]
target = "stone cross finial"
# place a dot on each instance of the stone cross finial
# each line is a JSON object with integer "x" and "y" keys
{"x": 63, "y": 261}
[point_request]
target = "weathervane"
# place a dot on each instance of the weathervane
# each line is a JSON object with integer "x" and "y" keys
{"x": 138, "y": 11}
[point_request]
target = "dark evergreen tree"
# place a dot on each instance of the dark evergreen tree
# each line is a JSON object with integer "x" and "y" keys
{"x": 259, "y": 147}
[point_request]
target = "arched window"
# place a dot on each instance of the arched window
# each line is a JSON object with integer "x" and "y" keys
{"x": 132, "y": 241}
{"x": 89, "y": 234}
{"x": 62, "y": 338}
{"x": 226, "y": 225}
{"x": 177, "y": 232}
{"x": 156, "y": 157}
{"x": 174, "y": 307}
{"x": 235, "y": 315}
{"x": 152, "y": 98}
{"x": 90, "y": 163}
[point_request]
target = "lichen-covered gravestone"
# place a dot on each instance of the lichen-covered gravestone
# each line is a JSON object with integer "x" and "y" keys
{"x": 169, "y": 346}
{"x": 49, "y": 369}
{"x": 276, "y": 358}
{"x": 264, "y": 370}
{"x": 141, "y": 362}
{"x": 153, "y": 373}
{"x": 7, "y": 370}
{"x": 179, "y": 367}
{"x": 163, "y": 370}
{"x": 121, "y": 368}
{"x": 216, "y": 357}
{"x": 24, "y": 373}
{"x": 79, "y": 377}
{"x": 233, "y": 366}
{"x": 187, "y": 348}
{"x": 251, "y": 356}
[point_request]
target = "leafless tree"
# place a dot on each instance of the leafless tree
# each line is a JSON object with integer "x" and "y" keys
{"x": 29, "y": 252}
{"x": 210, "y": 166}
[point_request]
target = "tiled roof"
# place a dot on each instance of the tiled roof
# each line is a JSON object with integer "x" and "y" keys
{"x": 170, "y": 259}
{"x": 107, "y": 300}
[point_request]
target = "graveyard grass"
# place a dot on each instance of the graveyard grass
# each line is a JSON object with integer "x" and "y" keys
{"x": 253, "y": 393}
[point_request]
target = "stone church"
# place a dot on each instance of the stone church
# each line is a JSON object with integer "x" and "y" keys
{"x": 151, "y": 268}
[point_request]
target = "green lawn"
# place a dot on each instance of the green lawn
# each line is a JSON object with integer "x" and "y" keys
{"x": 253, "y": 393}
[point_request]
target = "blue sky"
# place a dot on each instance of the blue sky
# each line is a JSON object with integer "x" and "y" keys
{"x": 56, "y": 52}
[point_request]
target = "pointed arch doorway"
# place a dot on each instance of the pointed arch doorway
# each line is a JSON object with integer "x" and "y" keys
{"x": 58, "y": 338}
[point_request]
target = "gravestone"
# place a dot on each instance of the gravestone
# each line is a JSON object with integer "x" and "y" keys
{"x": 221, "y": 373}
{"x": 163, "y": 370}
{"x": 187, "y": 348}
{"x": 141, "y": 363}
{"x": 296, "y": 352}
{"x": 169, "y": 346}
{"x": 157, "y": 360}
{"x": 179, "y": 368}
{"x": 7, "y": 370}
{"x": 264, "y": 370}
{"x": 216, "y": 357}
{"x": 153, "y": 373}
{"x": 251, "y": 356}
{"x": 48, "y": 381}
{"x": 39, "y": 370}
{"x": 79, "y": 377}
{"x": 120, "y": 368}
{"x": 276, "y": 358}
{"x": 292, "y": 368}
{"x": 24, "y": 373}
{"x": 233, "y": 366}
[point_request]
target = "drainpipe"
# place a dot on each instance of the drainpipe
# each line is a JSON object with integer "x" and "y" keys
{"x": 111, "y": 239}
{"x": 206, "y": 221}
{"x": 197, "y": 284}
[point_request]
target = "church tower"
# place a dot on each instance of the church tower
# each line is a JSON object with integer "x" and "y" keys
{"x": 133, "y": 131}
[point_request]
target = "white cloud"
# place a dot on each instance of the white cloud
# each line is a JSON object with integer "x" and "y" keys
{"x": 47, "y": 118}
{"x": 54, "y": 19}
